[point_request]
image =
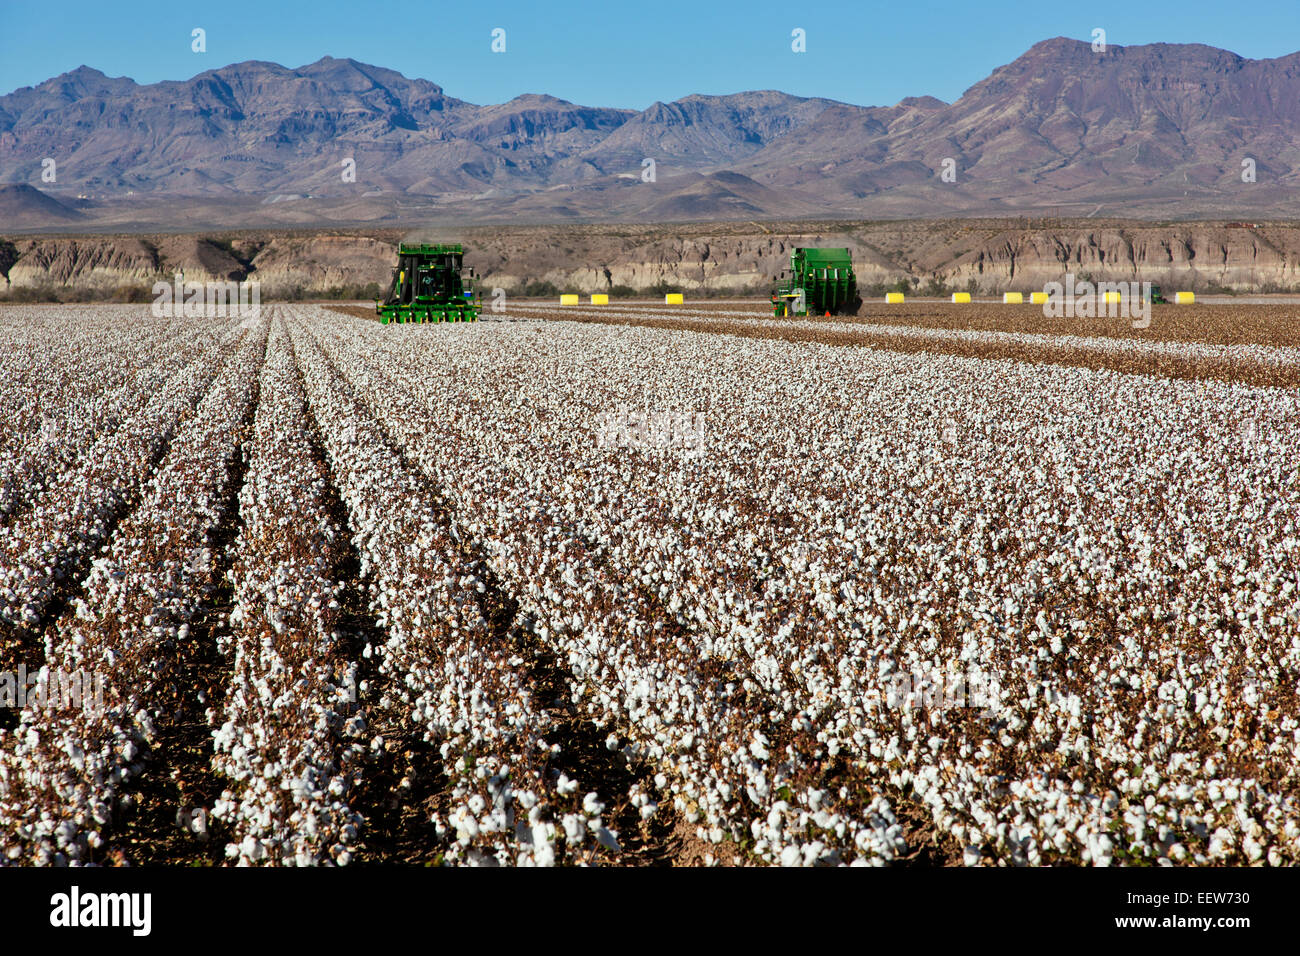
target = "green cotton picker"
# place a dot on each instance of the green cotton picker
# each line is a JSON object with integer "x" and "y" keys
{"x": 429, "y": 286}
{"x": 819, "y": 282}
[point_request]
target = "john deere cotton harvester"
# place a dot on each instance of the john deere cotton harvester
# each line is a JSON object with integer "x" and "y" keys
{"x": 819, "y": 281}
{"x": 429, "y": 286}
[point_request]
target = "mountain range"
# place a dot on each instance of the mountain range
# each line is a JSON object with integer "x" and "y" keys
{"x": 1161, "y": 131}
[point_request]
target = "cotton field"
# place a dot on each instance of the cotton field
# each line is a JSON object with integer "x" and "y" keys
{"x": 634, "y": 586}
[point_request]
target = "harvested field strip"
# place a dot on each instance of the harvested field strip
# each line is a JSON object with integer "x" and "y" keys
{"x": 356, "y": 311}
{"x": 1249, "y": 365}
{"x": 1272, "y": 325}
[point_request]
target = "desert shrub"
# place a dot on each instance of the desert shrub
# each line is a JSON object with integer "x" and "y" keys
{"x": 132, "y": 293}
{"x": 535, "y": 289}
{"x": 355, "y": 290}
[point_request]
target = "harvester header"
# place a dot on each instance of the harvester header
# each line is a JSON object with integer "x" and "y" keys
{"x": 429, "y": 285}
{"x": 818, "y": 281}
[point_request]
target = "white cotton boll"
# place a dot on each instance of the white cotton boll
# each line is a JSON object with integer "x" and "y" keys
{"x": 574, "y": 828}
{"x": 606, "y": 838}
{"x": 250, "y": 848}
{"x": 467, "y": 828}
{"x": 544, "y": 854}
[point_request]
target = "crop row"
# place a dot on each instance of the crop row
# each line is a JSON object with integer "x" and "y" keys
{"x": 65, "y": 771}
{"x": 742, "y": 769}
{"x": 63, "y": 388}
{"x": 1121, "y": 579}
{"x": 289, "y": 745}
{"x": 446, "y": 671}
{"x": 71, "y": 520}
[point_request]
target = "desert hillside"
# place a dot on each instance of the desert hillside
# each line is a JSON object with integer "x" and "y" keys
{"x": 1160, "y": 130}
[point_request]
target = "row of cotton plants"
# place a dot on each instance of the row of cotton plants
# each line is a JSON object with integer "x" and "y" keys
{"x": 728, "y": 762}
{"x": 1117, "y": 579}
{"x": 64, "y": 387}
{"x": 67, "y": 771}
{"x": 70, "y": 520}
{"x": 290, "y": 744}
{"x": 1269, "y": 356}
{"x": 445, "y": 671}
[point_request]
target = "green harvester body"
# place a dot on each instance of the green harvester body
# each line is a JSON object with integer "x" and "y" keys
{"x": 819, "y": 281}
{"x": 429, "y": 286}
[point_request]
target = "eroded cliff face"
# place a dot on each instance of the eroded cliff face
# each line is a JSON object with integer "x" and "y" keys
{"x": 318, "y": 263}
{"x": 1238, "y": 257}
{"x": 595, "y": 263}
{"x": 112, "y": 261}
{"x": 989, "y": 256}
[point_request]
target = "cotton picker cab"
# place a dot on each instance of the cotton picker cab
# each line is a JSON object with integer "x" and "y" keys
{"x": 428, "y": 286}
{"x": 819, "y": 281}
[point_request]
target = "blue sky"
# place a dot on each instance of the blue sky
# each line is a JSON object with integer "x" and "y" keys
{"x": 618, "y": 53}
